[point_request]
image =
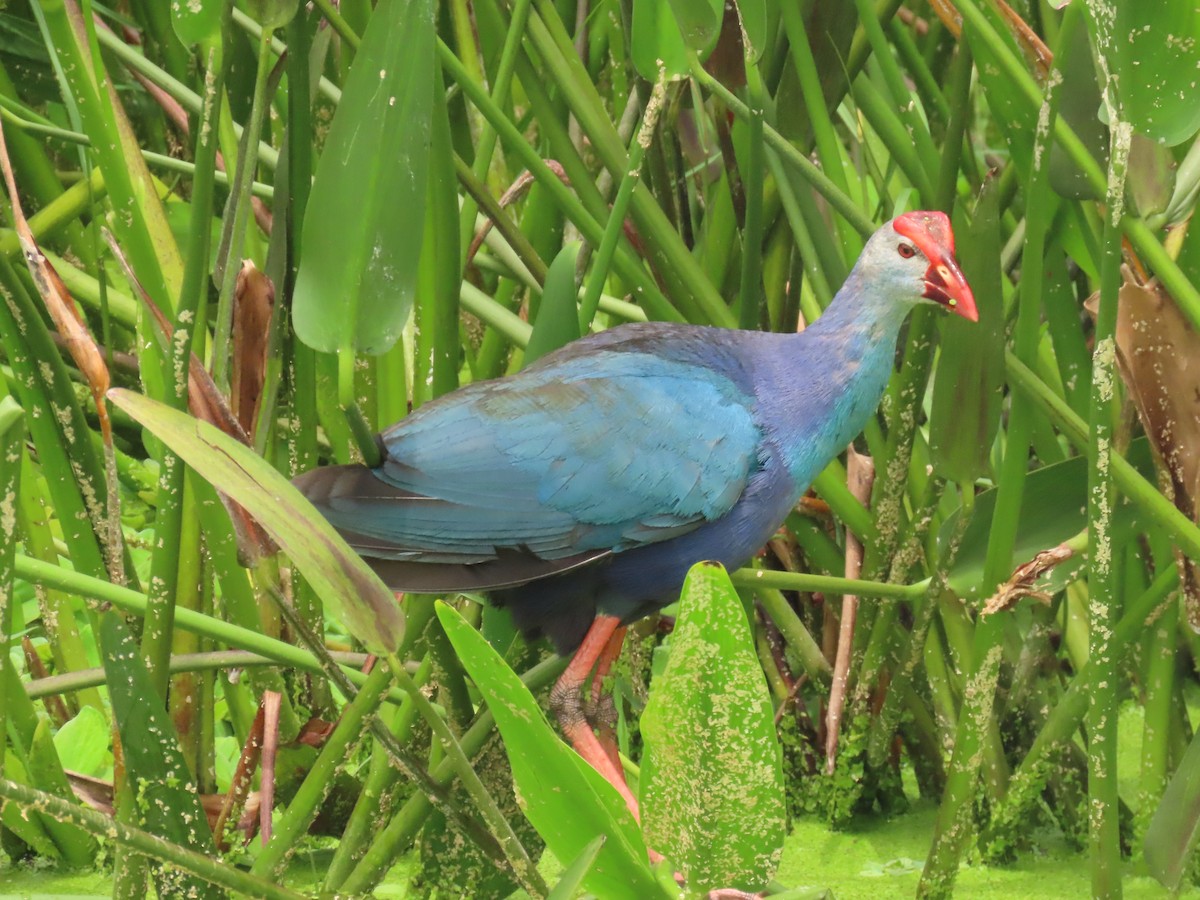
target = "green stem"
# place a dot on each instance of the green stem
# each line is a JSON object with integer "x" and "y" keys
{"x": 12, "y": 438}
{"x": 828, "y": 149}
{"x": 240, "y": 198}
{"x": 304, "y": 806}
{"x": 1129, "y": 480}
{"x": 37, "y": 572}
{"x": 485, "y": 148}
{"x": 954, "y": 825}
{"x": 144, "y": 843}
{"x": 750, "y": 289}
{"x": 616, "y": 220}
{"x": 205, "y": 661}
{"x": 520, "y": 244}
{"x": 157, "y": 160}
{"x": 1103, "y": 799}
{"x": 781, "y": 613}
{"x": 187, "y": 339}
{"x": 827, "y": 584}
{"x": 523, "y": 868}
{"x": 661, "y": 241}
{"x": 403, "y": 827}
{"x": 626, "y": 266}
{"x": 837, "y": 198}
{"x": 188, "y": 99}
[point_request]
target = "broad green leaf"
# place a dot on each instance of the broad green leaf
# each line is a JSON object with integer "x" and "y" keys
{"x": 196, "y": 21}
{"x": 1010, "y": 110}
{"x": 82, "y": 744}
{"x": 365, "y": 219}
{"x": 167, "y": 796}
{"x": 1151, "y": 52}
{"x": 347, "y": 585}
{"x": 568, "y": 801}
{"x": 655, "y": 39}
{"x": 1079, "y": 101}
{"x": 1053, "y": 509}
{"x": 699, "y": 21}
{"x": 968, "y": 386}
{"x": 712, "y": 776}
{"x": 1173, "y": 830}
{"x": 557, "y": 322}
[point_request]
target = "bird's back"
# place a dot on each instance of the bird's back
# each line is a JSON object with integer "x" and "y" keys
{"x": 632, "y": 437}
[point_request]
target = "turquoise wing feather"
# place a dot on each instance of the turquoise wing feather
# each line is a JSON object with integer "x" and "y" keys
{"x": 605, "y": 451}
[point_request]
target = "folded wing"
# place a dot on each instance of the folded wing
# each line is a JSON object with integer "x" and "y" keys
{"x": 507, "y": 481}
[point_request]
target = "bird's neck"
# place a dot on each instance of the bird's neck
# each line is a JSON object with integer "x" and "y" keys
{"x": 833, "y": 376}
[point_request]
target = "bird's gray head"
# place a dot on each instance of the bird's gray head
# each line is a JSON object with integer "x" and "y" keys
{"x": 913, "y": 257}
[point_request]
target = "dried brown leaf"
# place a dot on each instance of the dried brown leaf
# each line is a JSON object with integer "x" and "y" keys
{"x": 207, "y": 404}
{"x": 253, "y": 304}
{"x": 1020, "y": 583}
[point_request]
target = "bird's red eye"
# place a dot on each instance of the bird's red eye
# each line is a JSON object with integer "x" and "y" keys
{"x": 907, "y": 251}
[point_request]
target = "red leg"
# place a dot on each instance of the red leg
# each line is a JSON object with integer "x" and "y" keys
{"x": 608, "y": 655}
{"x": 600, "y": 710}
{"x": 567, "y": 703}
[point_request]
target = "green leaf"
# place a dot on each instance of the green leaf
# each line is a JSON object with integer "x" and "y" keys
{"x": 1152, "y": 54}
{"x": 1150, "y": 179}
{"x": 347, "y": 585}
{"x": 967, "y": 389}
{"x": 195, "y": 23}
{"x": 568, "y": 801}
{"x": 1172, "y": 832}
{"x": 712, "y": 777}
{"x": 365, "y": 219}
{"x": 272, "y": 13}
{"x": 1011, "y": 111}
{"x": 167, "y": 796}
{"x": 1078, "y": 100}
{"x": 754, "y": 26}
{"x": 699, "y": 21}
{"x": 571, "y": 880}
{"x": 440, "y": 272}
{"x": 655, "y": 38}
{"x": 46, "y": 773}
{"x": 82, "y": 744}
{"x": 28, "y": 825}
{"x": 1053, "y": 509}
{"x": 557, "y": 322}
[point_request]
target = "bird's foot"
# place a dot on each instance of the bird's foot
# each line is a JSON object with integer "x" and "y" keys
{"x": 578, "y": 718}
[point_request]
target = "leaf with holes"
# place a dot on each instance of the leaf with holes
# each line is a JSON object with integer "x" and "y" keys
{"x": 712, "y": 777}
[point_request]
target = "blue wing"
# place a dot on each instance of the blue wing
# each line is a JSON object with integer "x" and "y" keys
{"x": 581, "y": 455}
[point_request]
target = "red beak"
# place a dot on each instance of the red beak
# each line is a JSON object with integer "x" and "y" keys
{"x": 944, "y": 280}
{"x": 945, "y": 284}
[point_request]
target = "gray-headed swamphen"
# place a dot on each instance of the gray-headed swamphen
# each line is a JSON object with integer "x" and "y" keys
{"x": 580, "y": 491}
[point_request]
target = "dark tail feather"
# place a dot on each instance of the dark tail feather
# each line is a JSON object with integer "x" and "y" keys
{"x": 330, "y": 486}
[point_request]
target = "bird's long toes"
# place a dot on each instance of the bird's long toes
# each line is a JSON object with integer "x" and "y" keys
{"x": 601, "y": 712}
